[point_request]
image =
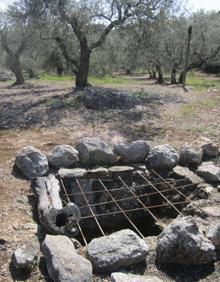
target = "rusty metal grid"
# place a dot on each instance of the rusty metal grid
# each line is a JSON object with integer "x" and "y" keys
{"x": 176, "y": 188}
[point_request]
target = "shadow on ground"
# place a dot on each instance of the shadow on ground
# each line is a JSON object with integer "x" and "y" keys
{"x": 66, "y": 110}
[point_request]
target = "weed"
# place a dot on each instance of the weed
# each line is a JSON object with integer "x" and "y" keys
{"x": 51, "y": 101}
{"x": 189, "y": 109}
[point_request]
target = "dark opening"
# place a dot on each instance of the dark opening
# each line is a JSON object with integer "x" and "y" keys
{"x": 61, "y": 219}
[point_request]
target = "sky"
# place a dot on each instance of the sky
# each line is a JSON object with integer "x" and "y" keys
{"x": 194, "y": 4}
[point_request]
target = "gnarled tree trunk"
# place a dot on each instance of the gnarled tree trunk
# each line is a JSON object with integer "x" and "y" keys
{"x": 173, "y": 76}
{"x": 181, "y": 77}
{"x": 17, "y": 70}
{"x": 160, "y": 79}
{"x": 83, "y": 72}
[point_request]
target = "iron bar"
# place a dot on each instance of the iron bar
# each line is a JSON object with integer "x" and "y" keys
{"x": 172, "y": 186}
{"x": 134, "y": 210}
{"x": 87, "y": 202}
{"x": 130, "y": 198}
{"x": 154, "y": 217}
{"x": 179, "y": 212}
{"x": 78, "y": 225}
{"x": 130, "y": 221}
{"x": 133, "y": 187}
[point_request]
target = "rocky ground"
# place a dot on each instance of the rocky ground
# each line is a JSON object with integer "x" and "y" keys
{"x": 48, "y": 113}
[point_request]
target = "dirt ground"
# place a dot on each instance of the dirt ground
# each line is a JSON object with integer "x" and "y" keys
{"x": 46, "y": 114}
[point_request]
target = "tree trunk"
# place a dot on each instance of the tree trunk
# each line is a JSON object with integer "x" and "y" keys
{"x": 83, "y": 72}
{"x": 160, "y": 79}
{"x": 150, "y": 74}
{"x": 154, "y": 72}
{"x": 173, "y": 76}
{"x": 181, "y": 77}
{"x": 55, "y": 218}
{"x": 17, "y": 70}
{"x": 59, "y": 71}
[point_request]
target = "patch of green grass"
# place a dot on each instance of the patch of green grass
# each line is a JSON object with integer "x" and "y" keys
{"x": 51, "y": 101}
{"x": 140, "y": 93}
{"x": 202, "y": 82}
{"x": 189, "y": 110}
{"x": 49, "y": 77}
{"x": 108, "y": 80}
{"x": 208, "y": 103}
{"x": 111, "y": 81}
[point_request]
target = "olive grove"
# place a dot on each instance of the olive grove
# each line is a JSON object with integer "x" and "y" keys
{"x": 102, "y": 37}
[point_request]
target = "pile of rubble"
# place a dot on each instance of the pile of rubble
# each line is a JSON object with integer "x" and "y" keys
{"x": 192, "y": 239}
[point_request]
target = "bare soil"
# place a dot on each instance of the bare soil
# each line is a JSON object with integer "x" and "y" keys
{"x": 46, "y": 114}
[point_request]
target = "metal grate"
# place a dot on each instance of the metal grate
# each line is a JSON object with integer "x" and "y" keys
{"x": 137, "y": 194}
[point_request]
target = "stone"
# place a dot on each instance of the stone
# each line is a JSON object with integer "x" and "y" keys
{"x": 66, "y": 173}
{"x": 64, "y": 156}
{"x": 97, "y": 172}
{"x": 120, "y": 169}
{"x": 218, "y": 188}
{"x": 190, "y": 155}
{"x": 25, "y": 256}
{"x": 135, "y": 152}
{"x": 187, "y": 174}
{"x": 141, "y": 167}
{"x": 210, "y": 149}
{"x": 120, "y": 249}
{"x": 182, "y": 242}
{"x": 94, "y": 152}
{"x": 212, "y": 211}
{"x": 214, "y": 235}
{"x": 124, "y": 277}
{"x": 32, "y": 162}
{"x": 163, "y": 157}
{"x": 196, "y": 208}
{"x": 63, "y": 262}
{"x": 209, "y": 172}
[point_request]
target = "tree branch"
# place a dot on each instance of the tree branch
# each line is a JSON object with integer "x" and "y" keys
{"x": 67, "y": 57}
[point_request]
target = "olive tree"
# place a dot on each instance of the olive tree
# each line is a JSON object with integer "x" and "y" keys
{"x": 90, "y": 22}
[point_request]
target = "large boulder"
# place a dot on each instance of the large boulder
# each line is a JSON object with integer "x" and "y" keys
{"x": 190, "y": 155}
{"x": 182, "y": 242}
{"x": 63, "y": 156}
{"x": 94, "y": 152}
{"x": 214, "y": 235}
{"x": 163, "y": 157}
{"x": 63, "y": 262}
{"x": 135, "y": 152}
{"x": 118, "y": 250}
{"x": 209, "y": 172}
{"x": 187, "y": 174}
{"x": 210, "y": 149}
{"x": 32, "y": 162}
{"x": 124, "y": 277}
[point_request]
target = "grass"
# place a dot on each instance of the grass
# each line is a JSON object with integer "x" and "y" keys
{"x": 197, "y": 80}
{"x": 191, "y": 109}
{"x": 202, "y": 82}
{"x": 51, "y": 101}
{"x": 108, "y": 80}
{"x": 49, "y": 77}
